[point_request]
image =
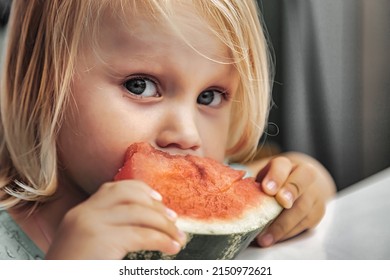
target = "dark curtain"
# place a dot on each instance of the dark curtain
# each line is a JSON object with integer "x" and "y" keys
{"x": 332, "y": 89}
{"x": 5, "y": 6}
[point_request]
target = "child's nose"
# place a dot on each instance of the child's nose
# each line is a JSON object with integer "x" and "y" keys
{"x": 179, "y": 130}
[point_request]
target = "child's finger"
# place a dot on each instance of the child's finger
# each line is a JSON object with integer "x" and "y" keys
{"x": 139, "y": 215}
{"x": 310, "y": 221}
{"x": 141, "y": 238}
{"x": 285, "y": 223}
{"x": 299, "y": 180}
{"x": 273, "y": 176}
{"x": 126, "y": 191}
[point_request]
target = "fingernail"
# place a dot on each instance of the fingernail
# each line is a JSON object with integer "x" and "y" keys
{"x": 288, "y": 197}
{"x": 271, "y": 186}
{"x": 171, "y": 214}
{"x": 266, "y": 240}
{"x": 156, "y": 196}
{"x": 182, "y": 236}
{"x": 176, "y": 246}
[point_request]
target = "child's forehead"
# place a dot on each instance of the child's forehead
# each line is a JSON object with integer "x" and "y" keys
{"x": 181, "y": 26}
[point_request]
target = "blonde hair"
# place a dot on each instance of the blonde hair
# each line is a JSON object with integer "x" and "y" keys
{"x": 44, "y": 40}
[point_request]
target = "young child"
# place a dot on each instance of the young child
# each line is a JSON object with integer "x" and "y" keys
{"x": 82, "y": 80}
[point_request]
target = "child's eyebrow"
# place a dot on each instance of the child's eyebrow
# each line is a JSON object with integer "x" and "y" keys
{"x": 138, "y": 65}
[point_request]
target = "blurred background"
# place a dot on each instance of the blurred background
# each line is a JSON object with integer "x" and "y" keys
{"x": 4, "y": 11}
{"x": 332, "y": 86}
{"x": 5, "y": 6}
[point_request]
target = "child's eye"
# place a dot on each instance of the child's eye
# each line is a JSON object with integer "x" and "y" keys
{"x": 141, "y": 87}
{"x": 211, "y": 98}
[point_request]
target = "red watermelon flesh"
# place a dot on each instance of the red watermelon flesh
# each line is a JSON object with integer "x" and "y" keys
{"x": 194, "y": 187}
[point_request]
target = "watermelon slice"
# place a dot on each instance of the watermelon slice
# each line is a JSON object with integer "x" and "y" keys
{"x": 219, "y": 209}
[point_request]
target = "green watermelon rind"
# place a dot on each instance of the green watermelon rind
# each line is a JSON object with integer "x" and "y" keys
{"x": 216, "y": 246}
{"x": 203, "y": 247}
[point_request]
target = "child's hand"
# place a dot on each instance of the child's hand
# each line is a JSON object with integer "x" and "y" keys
{"x": 302, "y": 186}
{"x": 120, "y": 217}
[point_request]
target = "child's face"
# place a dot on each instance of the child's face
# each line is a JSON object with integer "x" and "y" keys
{"x": 150, "y": 87}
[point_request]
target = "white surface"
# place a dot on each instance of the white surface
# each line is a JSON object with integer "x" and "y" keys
{"x": 356, "y": 226}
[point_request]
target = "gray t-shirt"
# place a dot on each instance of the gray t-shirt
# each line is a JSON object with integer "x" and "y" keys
{"x": 14, "y": 243}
